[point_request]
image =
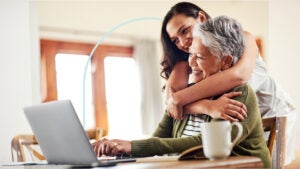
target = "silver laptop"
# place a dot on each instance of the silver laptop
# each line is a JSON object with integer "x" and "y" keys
{"x": 61, "y": 136}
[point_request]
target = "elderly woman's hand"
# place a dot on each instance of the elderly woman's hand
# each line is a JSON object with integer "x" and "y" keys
{"x": 112, "y": 147}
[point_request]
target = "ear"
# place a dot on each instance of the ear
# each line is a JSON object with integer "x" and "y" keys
{"x": 226, "y": 62}
{"x": 201, "y": 17}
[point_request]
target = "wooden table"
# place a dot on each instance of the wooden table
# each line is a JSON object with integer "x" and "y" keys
{"x": 231, "y": 162}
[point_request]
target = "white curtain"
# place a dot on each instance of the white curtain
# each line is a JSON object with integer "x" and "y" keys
{"x": 147, "y": 58}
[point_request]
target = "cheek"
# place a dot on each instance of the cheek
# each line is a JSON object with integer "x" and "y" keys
{"x": 214, "y": 68}
{"x": 202, "y": 65}
{"x": 207, "y": 68}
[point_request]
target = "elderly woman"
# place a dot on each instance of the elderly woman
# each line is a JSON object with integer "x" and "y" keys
{"x": 217, "y": 45}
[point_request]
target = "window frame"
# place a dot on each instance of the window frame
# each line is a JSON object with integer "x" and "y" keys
{"x": 49, "y": 49}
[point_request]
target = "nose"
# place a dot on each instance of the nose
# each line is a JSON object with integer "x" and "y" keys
{"x": 192, "y": 60}
{"x": 183, "y": 43}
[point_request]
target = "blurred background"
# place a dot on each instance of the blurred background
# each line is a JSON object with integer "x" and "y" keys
{"x": 45, "y": 47}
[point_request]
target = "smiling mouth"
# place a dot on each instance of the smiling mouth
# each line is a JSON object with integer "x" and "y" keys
{"x": 186, "y": 49}
{"x": 197, "y": 72}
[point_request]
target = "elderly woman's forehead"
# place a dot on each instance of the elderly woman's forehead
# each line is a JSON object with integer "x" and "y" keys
{"x": 195, "y": 43}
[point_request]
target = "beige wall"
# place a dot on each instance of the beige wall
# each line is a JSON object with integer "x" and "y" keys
{"x": 284, "y": 49}
{"x": 19, "y": 69}
{"x": 88, "y": 20}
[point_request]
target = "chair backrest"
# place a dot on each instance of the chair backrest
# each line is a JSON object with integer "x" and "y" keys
{"x": 25, "y": 146}
{"x": 269, "y": 125}
{"x": 276, "y": 127}
{"x": 280, "y": 142}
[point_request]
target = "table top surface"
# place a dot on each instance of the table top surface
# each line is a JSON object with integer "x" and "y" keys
{"x": 164, "y": 162}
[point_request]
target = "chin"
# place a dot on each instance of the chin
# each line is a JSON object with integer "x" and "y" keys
{"x": 196, "y": 80}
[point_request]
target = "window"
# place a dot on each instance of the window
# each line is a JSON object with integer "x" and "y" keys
{"x": 54, "y": 82}
{"x": 70, "y": 69}
{"x": 122, "y": 96}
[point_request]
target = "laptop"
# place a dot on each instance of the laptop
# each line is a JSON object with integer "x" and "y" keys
{"x": 61, "y": 136}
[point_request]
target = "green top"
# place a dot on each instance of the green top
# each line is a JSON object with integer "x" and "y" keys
{"x": 167, "y": 137}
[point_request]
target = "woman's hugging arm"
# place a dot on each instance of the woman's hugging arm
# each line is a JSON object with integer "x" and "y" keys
{"x": 178, "y": 79}
{"x": 218, "y": 83}
{"x": 225, "y": 107}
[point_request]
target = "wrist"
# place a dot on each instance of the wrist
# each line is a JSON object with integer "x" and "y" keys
{"x": 176, "y": 100}
{"x": 206, "y": 107}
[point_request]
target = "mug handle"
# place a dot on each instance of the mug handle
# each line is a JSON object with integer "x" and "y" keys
{"x": 239, "y": 134}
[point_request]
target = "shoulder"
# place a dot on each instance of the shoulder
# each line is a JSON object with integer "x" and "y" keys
{"x": 242, "y": 88}
{"x": 247, "y": 93}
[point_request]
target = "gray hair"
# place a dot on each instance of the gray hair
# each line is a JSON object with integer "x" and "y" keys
{"x": 222, "y": 36}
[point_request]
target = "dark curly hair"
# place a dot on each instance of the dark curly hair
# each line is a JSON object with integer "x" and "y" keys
{"x": 171, "y": 53}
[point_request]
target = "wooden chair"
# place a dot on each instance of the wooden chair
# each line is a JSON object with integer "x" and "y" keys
{"x": 280, "y": 142}
{"x": 276, "y": 126}
{"x": 269, "y": 125}
{"x": 25, "y": 146}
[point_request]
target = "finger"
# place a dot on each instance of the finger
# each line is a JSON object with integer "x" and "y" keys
{"x": 171, "y": 114}
{"x": 94, "y": 145}
{"x": 95, "y": 148}
{"x": 238, "y": 104}
{"x": 243, "y": 111}
{"x": 235, "y": 114}
{"x": 111, "y": 146}
{"x": 108, "y": 149}
{"x": 102, "y": 149}
{"x": 180, "y": 112}
{"x": 116, "y": 150}
{"x": 177, "y": 116}
{"x": 98, "y": 150}
{"x": 226, "y": 117}
{"x": 232, "y": 94}
{"x": 244, "y": 107}
{"x": 239, "y": 110}
{"x": 239, "y": 107}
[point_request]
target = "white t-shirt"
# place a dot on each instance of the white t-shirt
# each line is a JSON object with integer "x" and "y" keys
{"x": 274, "y": 101}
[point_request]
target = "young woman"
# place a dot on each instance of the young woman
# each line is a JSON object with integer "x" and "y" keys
{"x": 176, "y": 36}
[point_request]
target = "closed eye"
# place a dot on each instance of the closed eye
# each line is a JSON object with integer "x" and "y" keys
{"x": 185, "y": 31}
{"x": 199, "y": 56}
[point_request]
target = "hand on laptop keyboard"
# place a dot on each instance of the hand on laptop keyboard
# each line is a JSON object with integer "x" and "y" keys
{"x": 112, "y": 147}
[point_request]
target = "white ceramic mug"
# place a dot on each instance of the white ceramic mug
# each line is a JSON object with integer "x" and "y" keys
{"x": 216, "y": 138}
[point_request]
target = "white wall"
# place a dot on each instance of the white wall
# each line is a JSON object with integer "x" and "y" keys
{"x": 88, "y": 20}
{"x": 18, "y": 70}
{"x": 284, "y": 49}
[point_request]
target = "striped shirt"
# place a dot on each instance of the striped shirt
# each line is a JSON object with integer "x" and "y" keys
{"x": 192, "y": 126}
